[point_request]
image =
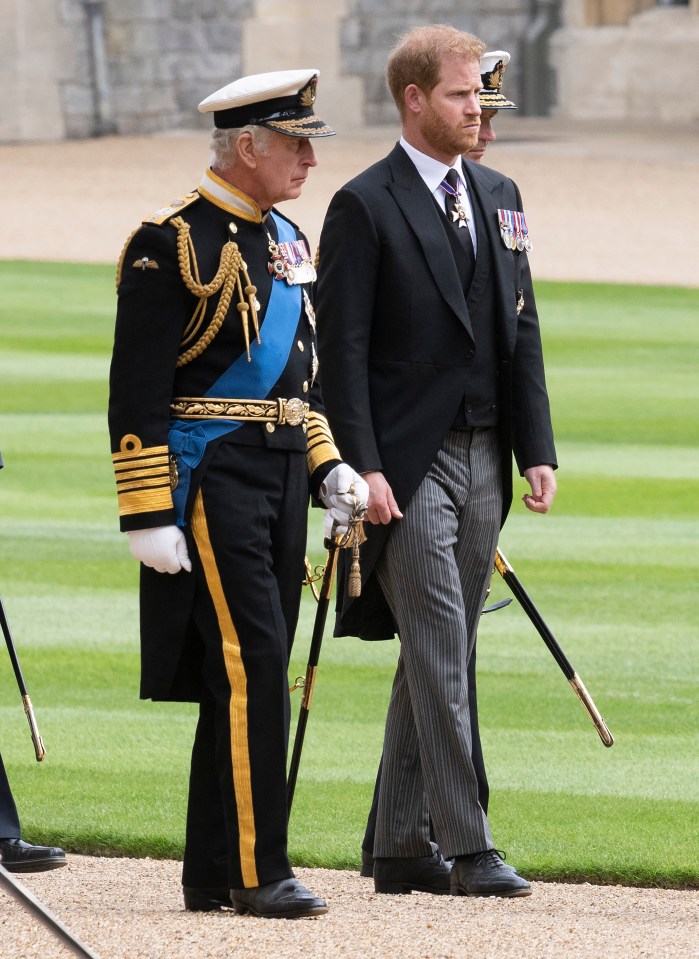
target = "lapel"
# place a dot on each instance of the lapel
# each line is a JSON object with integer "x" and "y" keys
{"x": 489, "y": 197}
{"x": 418, "y": 207}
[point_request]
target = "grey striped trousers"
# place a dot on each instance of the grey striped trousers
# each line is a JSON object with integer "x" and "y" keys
{"x": 434, "y": 572}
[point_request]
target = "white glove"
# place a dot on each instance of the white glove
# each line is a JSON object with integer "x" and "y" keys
{"x": 346, "y": 494}
{"x": 163, "y": 548}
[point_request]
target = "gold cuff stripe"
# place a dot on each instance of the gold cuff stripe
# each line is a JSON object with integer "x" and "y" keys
{"x": 160, "y": 479}
{"x": 317, "y": 436}
{"x": 318, "y": 417}
{"x": 316, "y": 439}
{"x": 318, "y": 421}
{"x": 125, "y": 472}
{"x": 144, "y": 454}
{"x": 316, "y": 424}
{"x": 147, "y": 468}
{"x": 144, "y": 501}
{"x": 238, "y": 703}
{"x": 321, "y": 446}
{"x": 316, "y": 460}
{"x": 143, "y": 480}
{"x": 318, "y": 455}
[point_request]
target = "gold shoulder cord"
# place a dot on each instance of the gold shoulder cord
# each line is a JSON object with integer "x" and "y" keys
{"x": 227, "y": 278}
{"x": 122, "y": 255}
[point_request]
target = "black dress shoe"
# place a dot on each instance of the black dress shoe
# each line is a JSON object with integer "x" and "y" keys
{"x": 19, "y": 856}
{"x": 419, "y": 873}
{"x": 198, "y": 899}
{"x": 485, "y": 874}
{"x": 285, "y": 899}
{"x": 367, "y": 867}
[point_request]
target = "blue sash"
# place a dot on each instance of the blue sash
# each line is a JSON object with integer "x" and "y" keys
{"x": 245, "y": 380}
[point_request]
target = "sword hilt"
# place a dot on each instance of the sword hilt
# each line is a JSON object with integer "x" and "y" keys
{"x": 353, "y": 539}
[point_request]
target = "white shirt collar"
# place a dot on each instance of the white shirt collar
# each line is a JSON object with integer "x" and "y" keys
{"x": 432, "y": 171}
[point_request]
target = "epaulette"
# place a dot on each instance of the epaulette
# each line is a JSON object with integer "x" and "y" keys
{"x": 176, "y": 206}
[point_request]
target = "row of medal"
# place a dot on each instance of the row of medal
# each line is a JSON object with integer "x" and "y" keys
{"x": 513, "y": 230}
{"x": 292, "y": 262}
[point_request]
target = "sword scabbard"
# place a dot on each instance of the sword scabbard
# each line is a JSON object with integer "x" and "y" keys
{"x": 308, "y": 685}
{"x": 510, "y": 577}
{"x": 39, "y": 749}
{"x": 603, "y": 730}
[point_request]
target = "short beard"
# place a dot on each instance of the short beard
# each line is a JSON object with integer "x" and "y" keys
{"x": 443, "y": 137}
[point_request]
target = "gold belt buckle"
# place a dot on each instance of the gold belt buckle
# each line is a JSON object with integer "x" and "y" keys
{"x": 291, "y": 412}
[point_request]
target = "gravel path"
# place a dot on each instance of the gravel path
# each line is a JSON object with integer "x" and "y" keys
{"x": 602, "y": 203}
{"x": 132, "y": 909}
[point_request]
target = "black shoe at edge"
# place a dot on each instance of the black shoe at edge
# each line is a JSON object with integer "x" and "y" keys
{"x": 19, "y": 856}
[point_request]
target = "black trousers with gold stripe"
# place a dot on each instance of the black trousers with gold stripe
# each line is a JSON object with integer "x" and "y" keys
{"x": 248, "y": 537}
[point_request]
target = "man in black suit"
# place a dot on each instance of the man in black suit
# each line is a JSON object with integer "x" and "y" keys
{"x": 16, "y": 855}
{"x": 433, "y": 377}
{"x": 490, "y": 99}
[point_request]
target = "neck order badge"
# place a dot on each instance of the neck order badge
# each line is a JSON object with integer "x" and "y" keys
{"x": 450, "y": 185}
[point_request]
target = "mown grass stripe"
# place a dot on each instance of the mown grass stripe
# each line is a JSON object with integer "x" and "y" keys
{"x": 613, "y": 570}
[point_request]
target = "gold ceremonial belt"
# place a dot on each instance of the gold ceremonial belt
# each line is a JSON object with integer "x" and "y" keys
{"x": 293, "y": 412}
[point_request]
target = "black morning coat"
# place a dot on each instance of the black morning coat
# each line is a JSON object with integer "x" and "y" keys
{"x": 396, "y": 343}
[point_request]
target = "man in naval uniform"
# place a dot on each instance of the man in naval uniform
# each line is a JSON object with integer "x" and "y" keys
{"x": 426, "y": 308}
{"x": 490, "y": 99}
{"x": 218, "y": 434}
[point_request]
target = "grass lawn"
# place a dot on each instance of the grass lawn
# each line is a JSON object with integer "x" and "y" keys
{"x": 613, "y": 569}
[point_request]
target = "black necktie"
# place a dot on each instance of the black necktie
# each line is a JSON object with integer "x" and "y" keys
{"x": 458, "y": 219}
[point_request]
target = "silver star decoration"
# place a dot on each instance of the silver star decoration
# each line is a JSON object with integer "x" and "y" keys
{"x": 310, "y": 312}
{"x": 315, "y": 365}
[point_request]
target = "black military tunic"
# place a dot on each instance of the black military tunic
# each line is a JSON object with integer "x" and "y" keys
{"x": 221, "y": 635}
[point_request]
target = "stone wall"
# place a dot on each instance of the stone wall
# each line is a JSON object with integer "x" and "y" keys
{"x": 646, "y": 71}
{"x": 371, "y": 27}
{"x": 162, "y": 57}
{"x": 80, "y": 68}
{"x": 29, "y": 71}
